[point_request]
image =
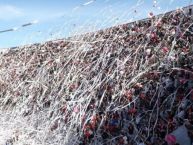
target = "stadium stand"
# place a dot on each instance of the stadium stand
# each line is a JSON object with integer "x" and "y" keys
{"x": 126, "y": 85}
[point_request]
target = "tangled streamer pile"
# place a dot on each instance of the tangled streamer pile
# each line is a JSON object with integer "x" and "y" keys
{"x": 130, "y": 84}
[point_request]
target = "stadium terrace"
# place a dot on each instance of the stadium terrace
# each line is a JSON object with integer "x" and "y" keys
{"x": 126, "y": 85}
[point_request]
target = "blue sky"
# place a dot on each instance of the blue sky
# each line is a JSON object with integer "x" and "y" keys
{"x": 62, "y": 18}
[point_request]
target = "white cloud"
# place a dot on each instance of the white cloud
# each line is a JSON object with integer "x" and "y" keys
{"x": 8, "y": 12}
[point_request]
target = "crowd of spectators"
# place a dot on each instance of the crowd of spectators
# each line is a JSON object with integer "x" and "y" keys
{"x": 127, "y": 85}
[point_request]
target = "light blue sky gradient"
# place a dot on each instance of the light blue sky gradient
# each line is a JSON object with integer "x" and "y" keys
{"x": 62, "y": 18}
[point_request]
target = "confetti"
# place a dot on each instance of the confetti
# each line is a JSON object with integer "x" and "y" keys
{"x": 120, "y": 85}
